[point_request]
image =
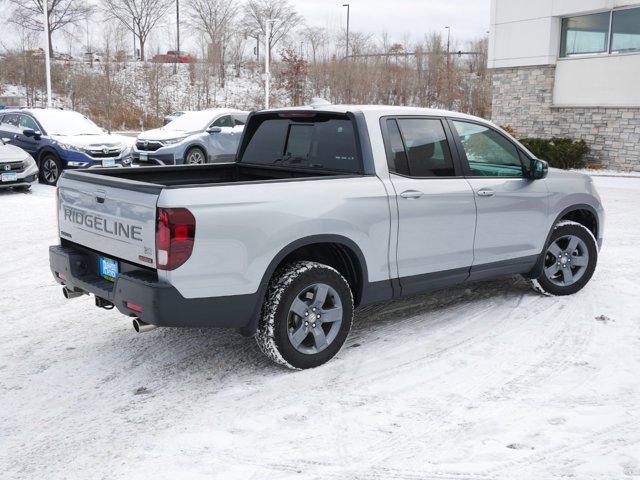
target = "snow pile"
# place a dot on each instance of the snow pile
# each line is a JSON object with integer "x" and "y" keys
{"x": 486, "y": 381}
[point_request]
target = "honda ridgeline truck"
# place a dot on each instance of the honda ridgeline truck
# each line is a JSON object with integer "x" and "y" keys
{"x": 324, "y": 211}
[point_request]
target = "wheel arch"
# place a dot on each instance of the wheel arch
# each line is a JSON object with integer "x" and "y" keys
{"x": 199, "y": 146}
{"x": 337, "y": 251}
{"x": 582, "y": 213}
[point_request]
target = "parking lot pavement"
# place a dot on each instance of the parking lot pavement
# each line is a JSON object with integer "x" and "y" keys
{"x": 479, "y": 382}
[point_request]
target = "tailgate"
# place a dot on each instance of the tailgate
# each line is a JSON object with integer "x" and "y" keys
{"x": 117, "y": 222}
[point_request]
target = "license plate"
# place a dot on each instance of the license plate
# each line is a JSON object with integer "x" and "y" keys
{"x": 108, "y": 269}
{"x": 9, "y": 177}
{"x": 144, "y": 156}
{"x": 108, "y": 162}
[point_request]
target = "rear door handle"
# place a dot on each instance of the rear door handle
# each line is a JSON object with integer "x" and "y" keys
{"x": 411, "y": 194}
{"x": 486, "y": 192}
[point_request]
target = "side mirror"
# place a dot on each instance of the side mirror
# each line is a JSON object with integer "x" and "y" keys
{"x": 539, "y": 169}
{"x": 214, "y": 130}
{"x": 29, "y": 132}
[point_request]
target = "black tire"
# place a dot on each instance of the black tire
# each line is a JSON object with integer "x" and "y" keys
{"x": 545, "y": 283}
{"x": 274, "y": 327}
{"x": 50, "y": 169}
{"x": 189, "y": 157}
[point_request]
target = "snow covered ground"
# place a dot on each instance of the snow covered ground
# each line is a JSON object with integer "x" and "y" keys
{"x": 488, "y": 381}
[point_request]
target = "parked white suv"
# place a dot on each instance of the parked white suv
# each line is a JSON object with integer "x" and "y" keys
{"x": 17, "y": 168}
{"x": 205, "y": 136}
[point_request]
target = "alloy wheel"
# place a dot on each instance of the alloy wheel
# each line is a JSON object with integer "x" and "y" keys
{"x": 566, "y": 260}
{"x": 314, "y": 319}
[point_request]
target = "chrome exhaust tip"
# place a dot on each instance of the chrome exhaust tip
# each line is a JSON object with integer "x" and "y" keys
{"x": 141, "y": 327}
{"x": 68, "y": 294}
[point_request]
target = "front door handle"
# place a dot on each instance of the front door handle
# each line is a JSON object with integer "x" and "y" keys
{"x": 486, "y": 192}
{"x": 411, "y": 194}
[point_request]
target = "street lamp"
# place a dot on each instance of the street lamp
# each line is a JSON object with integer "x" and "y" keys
{"x": 47, "y": 59}
{"x": 347, "y": 53}
{"x": 267, "y": 59}
{"x": 448, "y": 90}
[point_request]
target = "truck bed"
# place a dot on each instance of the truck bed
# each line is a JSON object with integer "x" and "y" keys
{"x": 157, "y": 178}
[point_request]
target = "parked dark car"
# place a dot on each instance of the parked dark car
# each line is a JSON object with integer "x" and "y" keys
{"x": 61, "y": 139}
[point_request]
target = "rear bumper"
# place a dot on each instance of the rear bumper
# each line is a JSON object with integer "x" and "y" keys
{"x": 160, "y": 302}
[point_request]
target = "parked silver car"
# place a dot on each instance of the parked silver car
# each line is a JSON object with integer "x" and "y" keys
{"x": 206, "y": 136}
{"x": 17, "y": 168}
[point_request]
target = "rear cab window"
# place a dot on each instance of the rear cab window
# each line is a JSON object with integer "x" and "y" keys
{"x": 323, "y": 141}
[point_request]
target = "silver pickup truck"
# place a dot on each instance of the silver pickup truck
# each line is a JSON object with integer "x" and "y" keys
{"x": 324, "y": 211}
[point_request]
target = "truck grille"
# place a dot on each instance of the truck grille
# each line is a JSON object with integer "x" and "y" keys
{"x": 147, "y": 146}
{"x": 13, "y": 167}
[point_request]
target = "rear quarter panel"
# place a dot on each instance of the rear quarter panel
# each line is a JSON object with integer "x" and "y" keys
{"x": 240, "y": 228}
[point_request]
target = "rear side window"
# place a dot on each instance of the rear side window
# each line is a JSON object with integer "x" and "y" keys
{"x": 489, "y": 153}
{"x": 10, "y": 119}
{"x": 419, "y": 148}
{"x": 317, "y": 142}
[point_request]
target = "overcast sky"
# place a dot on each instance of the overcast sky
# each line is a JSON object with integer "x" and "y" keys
{"x": 468, "y": 19}
{"x": 400, "y": 19}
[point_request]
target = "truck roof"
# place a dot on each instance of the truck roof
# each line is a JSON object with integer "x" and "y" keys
{"x": 382, "y": 110}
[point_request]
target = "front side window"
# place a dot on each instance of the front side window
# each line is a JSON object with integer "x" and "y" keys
{"x": 426, "y": 147}
{"x": 28, "y": 123}
{"x": 625, "y": 26}
{"x": 585, "y": 34}
{"x": 489, "y": 154}
{"x": 225, "y": 121}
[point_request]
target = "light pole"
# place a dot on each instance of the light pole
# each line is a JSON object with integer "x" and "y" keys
{"x": 448, "y": 67}
{"x": 267, "y": 60}
{"x": 175, "y": 64}
{"x": 347, "y": 52}
{"x": 47, "y": 56}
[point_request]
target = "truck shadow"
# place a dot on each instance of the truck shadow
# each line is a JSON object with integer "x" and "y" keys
{"x": 226, "y": 357}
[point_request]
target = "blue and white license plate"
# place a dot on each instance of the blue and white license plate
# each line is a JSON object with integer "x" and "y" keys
{"x": 108, "y": 162}
{"x": 108, "y": 269}
{"x": 9, "y": 177}
{"x": 144, "y": 156}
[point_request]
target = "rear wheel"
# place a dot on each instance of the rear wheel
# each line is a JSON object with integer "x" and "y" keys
{"x": 569, "y": 260}
{"x": 50, "y": 169}
{"x": 195, "y": 156}
{"x": 306, "y": 315}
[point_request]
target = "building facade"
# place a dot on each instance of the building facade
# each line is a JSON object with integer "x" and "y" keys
{"x": 569, "y": 68}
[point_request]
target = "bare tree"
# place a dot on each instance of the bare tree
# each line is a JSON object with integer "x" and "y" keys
{"x": 316, "y": 37}
{"x": 138, "y": 16}
{"x": 257, "y": 12}
{"x": 213, "y": 19}
{"x": 28, "y": 14}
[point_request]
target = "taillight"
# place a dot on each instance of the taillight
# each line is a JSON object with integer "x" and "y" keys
{"x": 175, "y": 233}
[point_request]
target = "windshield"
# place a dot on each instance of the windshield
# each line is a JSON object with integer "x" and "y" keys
{"x": 66, "y": 123}
{"x": 321, "y": 141}
{"x": 191, "y": 121}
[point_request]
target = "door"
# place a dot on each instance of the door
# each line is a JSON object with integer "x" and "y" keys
{"x": 512, "y": 208}
{"x": 436, "y": 209}
{"x": 223, "y": 144}
{"x": 30, "y": 144}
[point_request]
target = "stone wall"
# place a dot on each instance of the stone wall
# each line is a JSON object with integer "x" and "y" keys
{"x": 523, "y": 100}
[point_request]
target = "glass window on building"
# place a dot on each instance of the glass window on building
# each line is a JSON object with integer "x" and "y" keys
{"x": 625, "y": 28}
{"x": 585, "y": 34}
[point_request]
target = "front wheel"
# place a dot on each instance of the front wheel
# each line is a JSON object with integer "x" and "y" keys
{"x": 569, "y": 260}
{"x": 306, "y": 315}
{"x": 50, "y": 168}
{"x": 195, "y": 156}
